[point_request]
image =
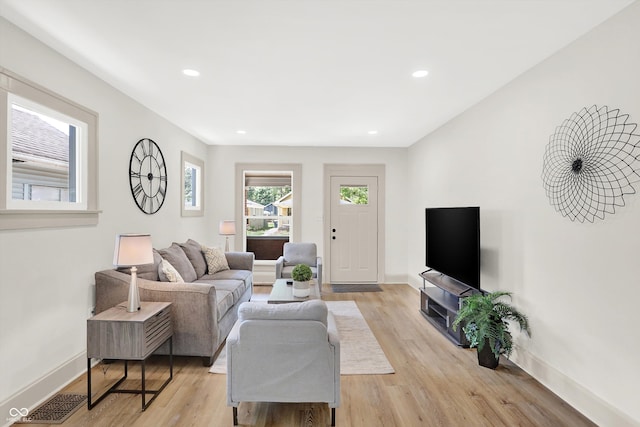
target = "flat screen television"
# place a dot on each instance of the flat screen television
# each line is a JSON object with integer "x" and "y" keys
{"x": 453, "y": 243}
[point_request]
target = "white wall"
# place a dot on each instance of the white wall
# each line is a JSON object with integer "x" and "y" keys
{"x": 577, "y": 282}
{"x": 46, "y": 289}
{"x": 221, "y": 169}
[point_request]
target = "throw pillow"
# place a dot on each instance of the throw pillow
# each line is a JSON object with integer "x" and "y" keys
{"x": 177, "y": 258}
{"x": 216, "y": 260}
{"x": 168, "y": 273}
{"x": 193, "y": 251}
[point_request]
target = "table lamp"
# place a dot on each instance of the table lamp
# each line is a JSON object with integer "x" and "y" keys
{"x": 132, "y": 250}
{"x": 227, "y": 228}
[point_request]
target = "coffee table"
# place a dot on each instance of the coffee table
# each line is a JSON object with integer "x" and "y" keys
{"x": 283, "y": 293}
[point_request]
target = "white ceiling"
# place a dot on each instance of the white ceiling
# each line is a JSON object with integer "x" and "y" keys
{"x": 308, "y": 72}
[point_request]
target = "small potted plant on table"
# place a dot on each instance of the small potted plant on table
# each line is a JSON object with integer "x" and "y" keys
{"x": 301, "y": 275}
{"x": 486, "y": 326}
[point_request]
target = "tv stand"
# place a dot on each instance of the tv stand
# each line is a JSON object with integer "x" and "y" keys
{"x": 440, "y": 301}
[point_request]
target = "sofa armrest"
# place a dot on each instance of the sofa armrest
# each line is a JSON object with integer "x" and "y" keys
{"x": 279, "y": 265}
{"x": 334, "y": 341}
{"x": 332, "y": 331}
{"x": 319, "y": 271}
{"x": 240, "y": 260}
{"x": 112, "y": 288}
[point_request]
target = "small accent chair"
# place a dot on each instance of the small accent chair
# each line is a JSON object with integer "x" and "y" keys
{"x": 299, "y": 253}
{"x": 283, "y": 353}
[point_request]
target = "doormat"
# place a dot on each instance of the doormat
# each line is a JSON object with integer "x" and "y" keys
{"x": 55, "y": 410}
{"x": 338, "y": 288}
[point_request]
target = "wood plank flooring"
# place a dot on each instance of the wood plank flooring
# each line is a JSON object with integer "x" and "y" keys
{"x": 435, "y": 384}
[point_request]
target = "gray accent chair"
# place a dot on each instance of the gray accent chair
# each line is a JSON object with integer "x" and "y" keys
{"x": 283, "y": 353}
{"x": 299, "y": 253}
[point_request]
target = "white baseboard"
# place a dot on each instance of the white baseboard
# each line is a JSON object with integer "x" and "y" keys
{"x": 43, "y": 388}
{"x": 579, "y": 397}
{"x": 395, "y": 279}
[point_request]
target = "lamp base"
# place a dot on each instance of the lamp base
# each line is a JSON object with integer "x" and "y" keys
{"x": 133, "y": 302}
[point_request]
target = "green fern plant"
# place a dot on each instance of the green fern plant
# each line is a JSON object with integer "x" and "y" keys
{"x": 486, "y": 319}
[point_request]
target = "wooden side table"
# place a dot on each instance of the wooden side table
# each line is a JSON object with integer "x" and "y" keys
{"x": 118, "y": 334}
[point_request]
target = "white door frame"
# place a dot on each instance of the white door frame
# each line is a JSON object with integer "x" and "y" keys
{"x": 353, "y": 170}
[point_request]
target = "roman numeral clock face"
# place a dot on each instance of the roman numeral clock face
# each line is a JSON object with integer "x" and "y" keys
{"x": 148, "y": 176}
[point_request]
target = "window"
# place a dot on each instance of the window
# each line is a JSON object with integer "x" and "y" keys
{"x": 192, "y": 185}
{"x": 354, "y": 195}
{"x": 270, "y": 207}
{"x": 46, "y": 149}
{"x": 268, "y": 203}
{"x": 48, "y": 158}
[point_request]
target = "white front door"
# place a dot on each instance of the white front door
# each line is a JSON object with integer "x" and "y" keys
{"x": 354, "y": 229}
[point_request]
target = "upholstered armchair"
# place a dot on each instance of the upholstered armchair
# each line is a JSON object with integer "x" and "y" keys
{"x": 283, "y": 353}
{"x": 299, "y": 253}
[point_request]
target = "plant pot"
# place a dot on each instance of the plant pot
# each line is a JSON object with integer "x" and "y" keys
{"x": 301, "y": 289}
{"x": 486, "y": 358}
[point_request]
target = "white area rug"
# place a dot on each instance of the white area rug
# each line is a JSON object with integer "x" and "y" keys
{"x": 360, "y": 353}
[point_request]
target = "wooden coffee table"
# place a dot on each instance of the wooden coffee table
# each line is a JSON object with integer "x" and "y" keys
{"x": 283, "y": 293}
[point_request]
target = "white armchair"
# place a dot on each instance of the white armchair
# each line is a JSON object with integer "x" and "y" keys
{"x": 283, "y": 353}
{"x": 299, "y": 253}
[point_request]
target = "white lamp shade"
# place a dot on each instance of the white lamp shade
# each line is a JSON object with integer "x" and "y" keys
{"x": 227, "y": 228}
{"x": 132, "y": 249}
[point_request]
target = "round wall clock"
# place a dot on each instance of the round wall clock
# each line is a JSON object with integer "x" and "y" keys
{"x": 148, "y": 176}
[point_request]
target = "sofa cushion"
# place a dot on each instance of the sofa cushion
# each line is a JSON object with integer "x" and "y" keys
{"x": 193, "y": 251}
{"x": 308, "y": 310}
{"x": 225, "y": 302}
{"x": 177, "y": 258}
{"x": 243, "y": 275}
{"x": 228, "y": 293}
{"x": 216, "y": 260}
{"x": 168, "y": 273}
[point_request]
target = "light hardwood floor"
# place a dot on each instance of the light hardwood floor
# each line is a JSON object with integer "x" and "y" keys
{"x": 435, "y": 384}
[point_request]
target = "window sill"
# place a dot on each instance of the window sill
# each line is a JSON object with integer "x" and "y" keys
{"x": 25, "y": 219}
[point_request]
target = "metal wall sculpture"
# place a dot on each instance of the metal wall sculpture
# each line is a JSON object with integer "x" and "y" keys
{"x": 591, "y": 162}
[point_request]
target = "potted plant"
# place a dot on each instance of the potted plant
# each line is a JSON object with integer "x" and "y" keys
{"x": 485, "y": 324}
{"x": 301, "y": 275}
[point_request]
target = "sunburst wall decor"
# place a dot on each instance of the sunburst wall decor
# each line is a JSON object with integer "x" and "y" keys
{"x": 591, "y": 162}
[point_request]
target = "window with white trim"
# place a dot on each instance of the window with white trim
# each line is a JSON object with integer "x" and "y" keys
{"x": 47, "y": 150}
{"x": 192, "y": 185}
{"x": 270, "y": 197}
{"x": 268, "y": 203}
{"x": 48, "y": 158}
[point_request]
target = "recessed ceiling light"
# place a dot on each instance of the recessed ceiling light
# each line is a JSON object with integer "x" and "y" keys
{"x": 420, "y": 73}
{"x": 241, "y": 132}
{"x": 191, "y": 73}
{"x": 372, "y": 132}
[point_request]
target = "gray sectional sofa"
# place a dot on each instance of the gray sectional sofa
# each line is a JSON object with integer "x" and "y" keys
{"x": 204, "y": 308}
